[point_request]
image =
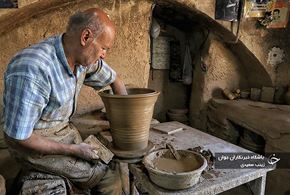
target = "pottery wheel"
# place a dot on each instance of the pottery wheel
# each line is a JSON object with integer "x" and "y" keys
{"x": 133, "y": 153}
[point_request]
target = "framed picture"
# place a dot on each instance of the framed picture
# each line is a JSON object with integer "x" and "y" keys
{"x": 8, "y": 3}
{"x": 255, "y": 8}
{"x": 279, "y": 15}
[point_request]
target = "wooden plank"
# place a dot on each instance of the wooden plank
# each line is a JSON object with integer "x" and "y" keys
{"x": 16, "y": 18}
{"x": 168, "y": 127}
{"x": 104, "y": 153}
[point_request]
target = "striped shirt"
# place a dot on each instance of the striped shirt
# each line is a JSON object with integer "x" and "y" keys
{"x": 41, "y": 90}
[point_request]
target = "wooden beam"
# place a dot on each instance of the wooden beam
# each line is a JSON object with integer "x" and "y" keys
{"x": 14, "y": 19}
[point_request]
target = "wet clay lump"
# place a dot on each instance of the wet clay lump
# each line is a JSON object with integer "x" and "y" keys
{"x": 177, "y": 166}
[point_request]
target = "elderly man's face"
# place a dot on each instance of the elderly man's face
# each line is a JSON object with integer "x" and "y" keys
{"x": 99, "y": 47}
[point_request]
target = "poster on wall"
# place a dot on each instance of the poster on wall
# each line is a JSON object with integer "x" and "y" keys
{"x": 8, "y": 3}
{"x": 161, "y": 52}
{"x": 255, "y": 8}
{"x": 227, "y": 10}
{"x": 279, "y": 12}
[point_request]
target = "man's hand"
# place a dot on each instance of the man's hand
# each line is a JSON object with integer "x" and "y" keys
{"x": 85, "y": 151}
{"x": 41, "y": 145}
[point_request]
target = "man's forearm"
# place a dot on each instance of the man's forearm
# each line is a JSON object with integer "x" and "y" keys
{"x": 118, "y": 87}
{"x": 41, "y": 145}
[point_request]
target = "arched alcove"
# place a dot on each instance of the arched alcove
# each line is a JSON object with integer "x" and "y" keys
{"x": 229, "y": 63}
{"x": 190, "y": 16}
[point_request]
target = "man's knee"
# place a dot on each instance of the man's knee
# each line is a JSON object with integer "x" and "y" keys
{"x": 111, "y": 182}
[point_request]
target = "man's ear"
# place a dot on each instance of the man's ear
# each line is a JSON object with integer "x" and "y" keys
{"x": 86, "y": 37}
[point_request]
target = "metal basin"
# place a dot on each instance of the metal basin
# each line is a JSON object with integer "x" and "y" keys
{"x": 130, "y": 116}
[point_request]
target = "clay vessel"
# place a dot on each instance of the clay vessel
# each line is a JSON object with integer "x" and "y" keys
{"x": 130, "y": 116}
{"x": 173, "y": 180}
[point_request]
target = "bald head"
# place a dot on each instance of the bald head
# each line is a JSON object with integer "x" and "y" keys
{"x": 93, "y": 18}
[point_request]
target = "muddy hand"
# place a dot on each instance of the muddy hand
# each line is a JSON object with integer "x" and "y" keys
{"x": 87, "y": 152}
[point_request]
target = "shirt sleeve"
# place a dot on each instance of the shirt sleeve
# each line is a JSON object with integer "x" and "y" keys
{"x": 24, "y": 101}
{"x": 100, "y": 75}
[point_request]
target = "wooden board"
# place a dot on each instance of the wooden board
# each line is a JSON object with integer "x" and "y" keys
{"x": 104, "y": 153}
{"x": 168, "y": 127}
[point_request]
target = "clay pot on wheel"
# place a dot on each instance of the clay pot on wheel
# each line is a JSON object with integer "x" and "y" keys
{"x": 130, "y": 116}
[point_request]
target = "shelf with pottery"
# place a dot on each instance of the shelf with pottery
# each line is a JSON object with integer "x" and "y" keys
{"x": 271, "y": 121}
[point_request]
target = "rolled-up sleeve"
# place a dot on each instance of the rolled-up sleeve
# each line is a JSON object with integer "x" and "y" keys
{"x": 24, "y": 100}
{"x": 100, "y": 75}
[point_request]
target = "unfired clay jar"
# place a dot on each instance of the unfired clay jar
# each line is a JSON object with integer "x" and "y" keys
{"x": 130, "y": 116}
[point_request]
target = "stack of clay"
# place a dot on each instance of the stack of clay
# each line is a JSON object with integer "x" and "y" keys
{"x": 179, "y": 115}
{"x": 264, "y": 94}
{"x": 252, "y": 141}
{"x": 229, "y": 133}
